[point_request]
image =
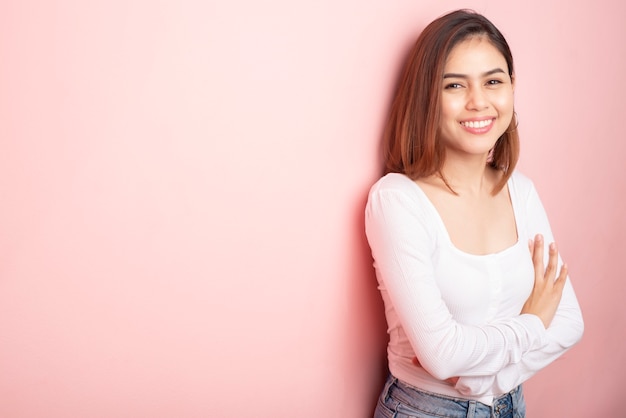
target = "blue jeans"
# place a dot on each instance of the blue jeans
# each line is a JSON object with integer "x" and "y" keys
{"x": 400, "y": 400}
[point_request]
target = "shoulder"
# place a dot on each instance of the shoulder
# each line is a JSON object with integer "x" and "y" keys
{"x": 394, "y": 182}
{"x": 396, "y": 188}
{"x": 397, "y": 195}
{"x": 520, "y": 185}
{"x": 398, "y": 206}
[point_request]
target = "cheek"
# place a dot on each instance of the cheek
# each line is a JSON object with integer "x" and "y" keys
{"x": 504, "y": 102}
{"x": 451, "y": 107}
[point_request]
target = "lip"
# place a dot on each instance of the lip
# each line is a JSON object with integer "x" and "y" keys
{"x": 478, "y": 130}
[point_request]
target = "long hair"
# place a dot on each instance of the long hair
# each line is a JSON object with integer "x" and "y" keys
{"x": 411, "y": 142}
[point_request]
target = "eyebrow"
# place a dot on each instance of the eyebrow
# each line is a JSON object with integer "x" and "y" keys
{"x": 486, "y": 74}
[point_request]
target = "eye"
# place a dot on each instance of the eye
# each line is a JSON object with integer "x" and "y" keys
{"x": 453, "y": 86}
{"x": 494, "y": 82}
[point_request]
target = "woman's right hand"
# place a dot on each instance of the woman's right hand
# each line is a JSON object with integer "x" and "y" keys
{"x": 547, "y": 291}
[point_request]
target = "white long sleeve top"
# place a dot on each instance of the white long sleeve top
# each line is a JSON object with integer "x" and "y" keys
{"x": 460, "y": 313}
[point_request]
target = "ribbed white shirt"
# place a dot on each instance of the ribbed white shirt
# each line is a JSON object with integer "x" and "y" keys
{"x": 460, "y": 313}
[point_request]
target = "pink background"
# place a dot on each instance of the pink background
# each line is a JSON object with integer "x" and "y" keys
{"x": 182, "y": 186}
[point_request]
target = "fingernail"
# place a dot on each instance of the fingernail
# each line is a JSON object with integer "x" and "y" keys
{"x": 539, "y": 238}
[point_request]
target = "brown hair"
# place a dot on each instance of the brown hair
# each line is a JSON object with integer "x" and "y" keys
{"x": 411, "y": 139}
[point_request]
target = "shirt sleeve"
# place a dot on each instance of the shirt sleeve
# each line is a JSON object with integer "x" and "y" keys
{"x": 402, "y": 247}
{"x": 565, "y": 330}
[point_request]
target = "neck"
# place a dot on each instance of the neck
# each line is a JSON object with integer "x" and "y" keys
{"x": 469, "y": 177}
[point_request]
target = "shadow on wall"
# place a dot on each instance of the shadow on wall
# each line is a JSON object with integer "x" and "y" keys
{"x": 366, "y": 326}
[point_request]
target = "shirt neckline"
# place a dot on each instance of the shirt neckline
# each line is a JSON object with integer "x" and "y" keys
{"x": 444, "y": 230}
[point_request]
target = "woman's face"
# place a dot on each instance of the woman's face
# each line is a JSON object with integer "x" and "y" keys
{"x": 476, "y": 98}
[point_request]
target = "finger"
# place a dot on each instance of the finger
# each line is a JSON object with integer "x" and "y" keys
{"x": 531, "y": 247}
{"x": 559, "y": 283}
{"x": 452, "y": 380}
{"x": 552, "y": 262}
{"x": 538, "y": 257}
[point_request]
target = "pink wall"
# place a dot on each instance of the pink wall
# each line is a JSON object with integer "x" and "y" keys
{"x": 181, "y": 195}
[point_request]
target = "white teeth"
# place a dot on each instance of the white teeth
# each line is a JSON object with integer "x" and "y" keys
{"x": 477, "y": 124}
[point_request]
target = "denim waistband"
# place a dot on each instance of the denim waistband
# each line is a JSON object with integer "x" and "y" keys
{"x": 404, "y": 398}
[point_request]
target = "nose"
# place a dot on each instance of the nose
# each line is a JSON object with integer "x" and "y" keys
{"x": 476, "y": 99}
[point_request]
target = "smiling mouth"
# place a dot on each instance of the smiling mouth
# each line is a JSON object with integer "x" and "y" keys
{"x": 477, "y": 124}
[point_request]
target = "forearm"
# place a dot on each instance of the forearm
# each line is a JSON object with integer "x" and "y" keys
{"x": 512, "y": 375}
{"x": 565, "y": 331}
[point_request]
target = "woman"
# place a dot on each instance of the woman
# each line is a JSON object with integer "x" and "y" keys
{"x": 475, "y": 302}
